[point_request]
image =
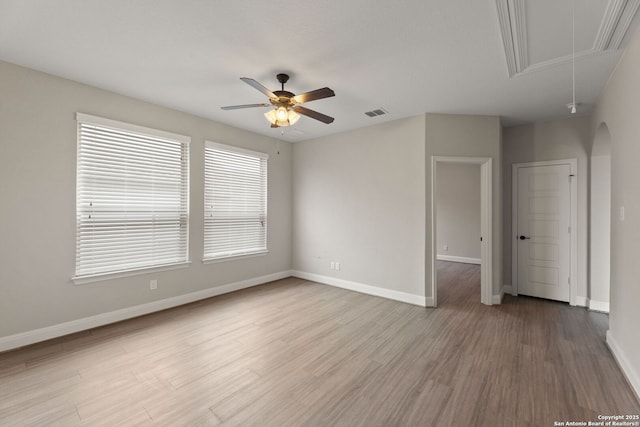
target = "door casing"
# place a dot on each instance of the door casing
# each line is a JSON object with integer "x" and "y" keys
{"x": 573, "y": 220}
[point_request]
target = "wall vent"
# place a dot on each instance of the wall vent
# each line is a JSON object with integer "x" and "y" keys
{"x": 377, "y": 112}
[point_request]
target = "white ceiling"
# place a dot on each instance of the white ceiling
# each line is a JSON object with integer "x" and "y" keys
{"x": 510, "y": 58}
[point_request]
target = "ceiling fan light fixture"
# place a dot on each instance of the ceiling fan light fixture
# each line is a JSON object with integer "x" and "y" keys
{"x": 282, "y": 117}
{"x": 573, "y": 107}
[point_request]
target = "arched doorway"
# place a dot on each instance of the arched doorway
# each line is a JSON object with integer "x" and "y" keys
{"x": 600, "y": 220}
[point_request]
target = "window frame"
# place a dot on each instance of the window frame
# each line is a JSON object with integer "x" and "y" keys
{"x": 209, "y": 258}
{"x": 83, "y": 276}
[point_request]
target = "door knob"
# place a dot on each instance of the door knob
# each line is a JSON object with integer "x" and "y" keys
{"x": 524, "y": 237}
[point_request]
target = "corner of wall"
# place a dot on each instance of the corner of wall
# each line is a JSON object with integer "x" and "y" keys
{"x": 625, "y": 364}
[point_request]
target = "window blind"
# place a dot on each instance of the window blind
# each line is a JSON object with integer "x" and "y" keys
{"x": 132, "y": 200}
{"x": 235, "y": 216}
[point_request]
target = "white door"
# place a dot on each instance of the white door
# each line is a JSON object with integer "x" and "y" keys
{"x": 543, "y": 234}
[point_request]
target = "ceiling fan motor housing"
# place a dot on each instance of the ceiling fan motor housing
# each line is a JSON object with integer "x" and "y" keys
{"x": 283, "y": 98}
{"x": 282, "y": 78}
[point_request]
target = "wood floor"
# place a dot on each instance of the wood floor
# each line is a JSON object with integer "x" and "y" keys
{"x": 296, "y": 353}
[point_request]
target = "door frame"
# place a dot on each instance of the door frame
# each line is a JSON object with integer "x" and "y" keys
{"x": 486, "y": 229}
{"x": 573, "y": 223}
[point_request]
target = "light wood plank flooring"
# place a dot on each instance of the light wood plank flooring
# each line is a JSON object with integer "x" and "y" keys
{"x": 296, "y": 353}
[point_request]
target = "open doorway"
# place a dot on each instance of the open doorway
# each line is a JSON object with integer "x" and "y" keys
{"x": 471, "y": 255}
{"x": 458, "y": 233}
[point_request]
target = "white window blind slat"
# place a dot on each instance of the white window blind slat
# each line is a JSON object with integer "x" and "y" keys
{"x": 235, "y": 217}
{"x": 132, "y": 198}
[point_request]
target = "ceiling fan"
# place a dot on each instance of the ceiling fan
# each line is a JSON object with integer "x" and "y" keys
{"x": 287, "y": 105}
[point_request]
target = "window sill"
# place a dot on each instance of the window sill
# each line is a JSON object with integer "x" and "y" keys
{"x": 81, "y": 280}
{"x": 233, "y": 257}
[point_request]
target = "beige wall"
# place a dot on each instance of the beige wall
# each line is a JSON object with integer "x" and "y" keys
{"x": 359, "y": 199}
{"x": 556, "y": 140}
{"x": 600, "y": 231}
{"x": 467, "y": 136}
{"x": 37, "y": 196}
{"x": 458, "y": 210}
{"x": 618, "y": 109}
{"x": 363, "y": 198}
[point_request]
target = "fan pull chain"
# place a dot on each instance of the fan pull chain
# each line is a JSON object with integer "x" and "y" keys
{"x": 573, "y": 49}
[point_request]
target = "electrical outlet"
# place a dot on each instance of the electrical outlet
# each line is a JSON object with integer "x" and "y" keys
{"x": 153, "y": 284}
{"x": 333, "y": 265}
{"x": 337, "y": 265}
{"x": 445, "y": 247}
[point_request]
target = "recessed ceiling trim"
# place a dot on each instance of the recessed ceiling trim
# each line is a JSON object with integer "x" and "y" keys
{"x": 519, "y": 32}
{"x": 539, "y": 66}
{"x": 512, "y": 18}
{"x": 504, "y": 19}
{"x": 615, "y": 24}
{"x": 608, "y": 25}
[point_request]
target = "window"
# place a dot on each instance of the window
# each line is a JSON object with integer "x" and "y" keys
{"x": 235, "y": 198}
{"x": 132, "y": 199}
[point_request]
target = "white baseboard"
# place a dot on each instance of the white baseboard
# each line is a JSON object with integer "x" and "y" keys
{"x": 54, "y": 331}
{"x": 582, "y": 301}
{"x": 599, "y": 306}
{"x": 627, "y": 368}
{"x": 497, "y": 299}
{"x": 366, "y": 289}
{"x": 462, "y": 259}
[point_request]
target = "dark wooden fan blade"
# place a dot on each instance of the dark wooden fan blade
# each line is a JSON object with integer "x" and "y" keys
{"x": 258, "y": 86}
{"x": 313, "y": 114}
{"x": 325, "y": 92}
{"x": 236, "y": 107}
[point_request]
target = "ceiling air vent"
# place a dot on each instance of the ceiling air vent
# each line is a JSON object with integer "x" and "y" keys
{"x": 374, "y": 113}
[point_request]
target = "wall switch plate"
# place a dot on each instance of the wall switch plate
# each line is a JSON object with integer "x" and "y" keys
{"x": 337, "y": 265}
{"x": 621, "y": 213}
{"x": 445, "y": 247}
{"x": 333, "y": 265}
{"x": 153, "y": 284}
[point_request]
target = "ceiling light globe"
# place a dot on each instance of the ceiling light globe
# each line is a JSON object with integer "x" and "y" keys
{"x": 282, "y": 114}
{"x": 293, "y": 117}
{"x": 271, "y": 116}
